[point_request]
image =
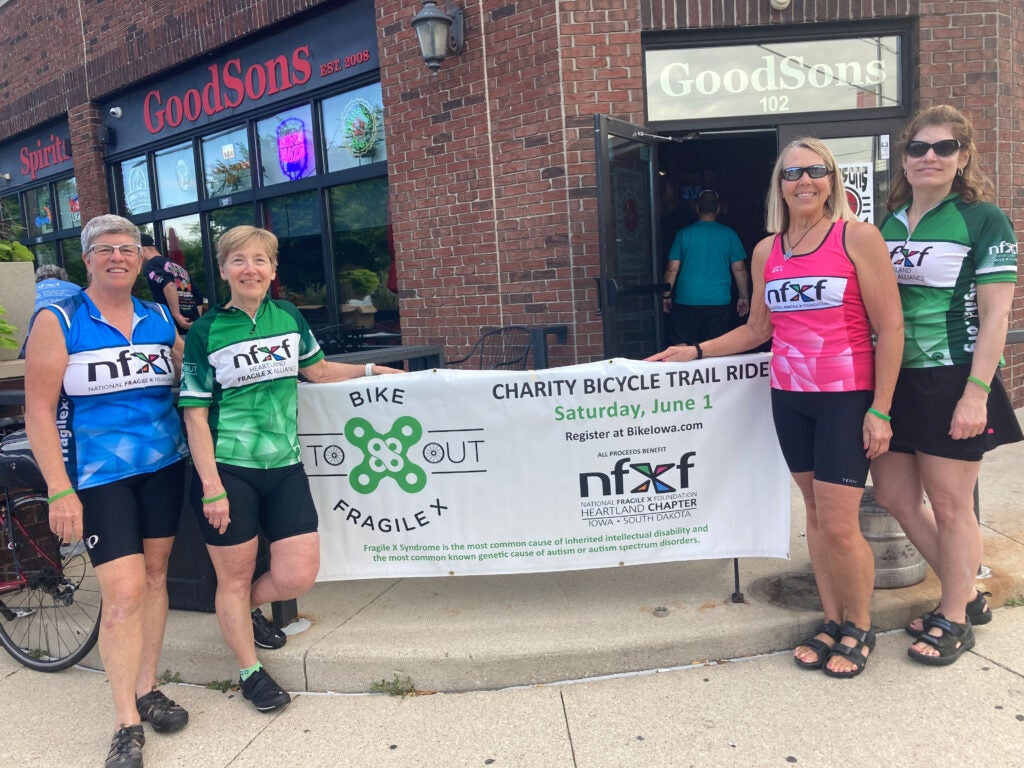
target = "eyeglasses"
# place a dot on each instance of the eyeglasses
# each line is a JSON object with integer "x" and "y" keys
{"x": 944, "y": 148}
{"x": 796, "y": 172}
{"x": 105, "y": 250}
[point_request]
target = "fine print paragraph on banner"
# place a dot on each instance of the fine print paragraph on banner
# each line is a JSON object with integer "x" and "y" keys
{"x": 619, "y": 462}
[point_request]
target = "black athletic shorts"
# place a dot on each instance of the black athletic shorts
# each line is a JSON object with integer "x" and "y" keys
{"x": 278, "y": 501}
{"x": 119, "y": 515}
{"x": 922, "y": 411}
{"x": 823, "y": 432}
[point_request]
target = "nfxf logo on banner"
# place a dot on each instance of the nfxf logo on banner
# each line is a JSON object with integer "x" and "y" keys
{"x": 806, "y": 293}
{"x": 656, "y": 477}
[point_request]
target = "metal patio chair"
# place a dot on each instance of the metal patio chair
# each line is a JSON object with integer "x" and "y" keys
{"x": 506, "y": 348}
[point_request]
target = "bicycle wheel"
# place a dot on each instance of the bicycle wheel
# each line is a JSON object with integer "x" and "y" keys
{"x": 51, "y": 621}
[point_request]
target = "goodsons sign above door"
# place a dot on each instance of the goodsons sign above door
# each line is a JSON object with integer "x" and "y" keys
{"x": 773, "y": 79}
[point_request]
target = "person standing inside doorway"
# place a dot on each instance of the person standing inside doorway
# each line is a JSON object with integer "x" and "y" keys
{"x": 170, "y": 284}
{"x": 703, "y": 259}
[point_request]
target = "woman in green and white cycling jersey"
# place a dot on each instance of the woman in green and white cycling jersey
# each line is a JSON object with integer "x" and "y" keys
{"x": 239, "y": 391}
{"x": 955, "y": 261}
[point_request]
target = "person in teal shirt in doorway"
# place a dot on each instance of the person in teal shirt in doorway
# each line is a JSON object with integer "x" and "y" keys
{"x": 705, "y": 258}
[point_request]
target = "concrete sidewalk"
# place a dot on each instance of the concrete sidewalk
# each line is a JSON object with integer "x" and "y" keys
{"x": 749, "y": 713}
{"x": 482, "y": 635}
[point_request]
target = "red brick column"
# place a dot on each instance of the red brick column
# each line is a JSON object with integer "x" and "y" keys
{"x": 87, "y": 153}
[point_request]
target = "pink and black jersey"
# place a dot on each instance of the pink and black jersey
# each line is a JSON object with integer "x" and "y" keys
{"x": 822, "y": 337}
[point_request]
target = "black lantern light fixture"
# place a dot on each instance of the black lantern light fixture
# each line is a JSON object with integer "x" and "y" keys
{"x": 439, "y": 32}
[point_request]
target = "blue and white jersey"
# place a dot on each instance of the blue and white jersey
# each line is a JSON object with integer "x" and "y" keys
{"x": 116, "y": 416}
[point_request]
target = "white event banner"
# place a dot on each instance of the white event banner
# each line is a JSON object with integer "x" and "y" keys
{"x": 619, "y": 462}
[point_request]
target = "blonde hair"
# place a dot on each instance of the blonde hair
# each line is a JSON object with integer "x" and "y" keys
{"x": 236, "y": 237}
{"x": 837, "y": 207}
{"x": 972, "y": 185}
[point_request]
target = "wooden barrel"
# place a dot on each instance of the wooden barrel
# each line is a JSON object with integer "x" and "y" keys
{"x": 897, "y": 561}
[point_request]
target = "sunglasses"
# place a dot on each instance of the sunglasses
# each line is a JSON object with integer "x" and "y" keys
{"x": 944, "y": 148}
{"x": 796, "y": 172}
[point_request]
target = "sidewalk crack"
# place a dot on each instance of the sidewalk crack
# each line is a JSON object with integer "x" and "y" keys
{"x": 568, "y": 729}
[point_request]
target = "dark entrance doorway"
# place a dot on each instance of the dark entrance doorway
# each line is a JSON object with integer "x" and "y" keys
{"x": 737, "y": 166}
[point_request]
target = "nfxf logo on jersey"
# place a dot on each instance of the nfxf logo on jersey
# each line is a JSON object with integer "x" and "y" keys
{"x": 264, "y": 359}
{"x": 807, "y": 293}
{"x": 99, "y": 371}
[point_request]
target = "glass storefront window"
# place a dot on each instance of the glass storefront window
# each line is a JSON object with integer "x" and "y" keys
{"x": 864, "y": 163}
{"x": 295, "y": 219}
{"x": 362, "y": 255}
{"x": 226, "y": 163}
{"x": 221, "y": 220}
{"x": 183, "y": 244}
{"x": 286, "y": 146}
{"x": 45, "y": 253}
{"x": 175, "y": 176}
{"x": 134, "y": 185}
{"x": 353, "y": 125}
{"x": 39, "y": 210}
{"x": 67, "y": 204}
{"x": 11, "y": 222}
{"x": 71, "y": 250}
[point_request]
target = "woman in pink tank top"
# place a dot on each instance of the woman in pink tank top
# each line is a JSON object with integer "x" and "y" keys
{"x": 822, "y": 283}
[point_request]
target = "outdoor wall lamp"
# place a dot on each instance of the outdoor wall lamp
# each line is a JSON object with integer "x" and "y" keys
{"x": 439, "y": 32}
{"x": 5, "y": 177}
{"x": 779, "y": 5}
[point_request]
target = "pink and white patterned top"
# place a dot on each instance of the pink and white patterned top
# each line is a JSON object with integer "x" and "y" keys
{"x": 822, "y": 337}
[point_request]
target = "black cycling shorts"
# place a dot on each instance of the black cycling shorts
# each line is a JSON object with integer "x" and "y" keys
{"x": 119, "y": 515}
{"x": 823, "y": 433}
{"x": 278, "y": 501}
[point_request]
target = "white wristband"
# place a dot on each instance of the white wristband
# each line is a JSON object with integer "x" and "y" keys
{"x": 368, "y": 370}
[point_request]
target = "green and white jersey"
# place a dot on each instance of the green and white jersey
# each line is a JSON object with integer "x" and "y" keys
{"x": 246, "y": 372}
{"x": 955, "y": 247}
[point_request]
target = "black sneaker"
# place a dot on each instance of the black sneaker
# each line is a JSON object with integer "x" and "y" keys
{"x": 164, "y": 714}
{"x": 126, "y": 748}
{"x": 266, "y": 634}
{"x": 263, "y": 692}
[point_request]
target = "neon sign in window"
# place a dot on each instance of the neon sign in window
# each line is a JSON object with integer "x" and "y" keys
{"x": 286, "y": 146}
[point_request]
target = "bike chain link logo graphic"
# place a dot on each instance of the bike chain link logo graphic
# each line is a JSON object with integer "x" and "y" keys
{"x": 385, "y": 455}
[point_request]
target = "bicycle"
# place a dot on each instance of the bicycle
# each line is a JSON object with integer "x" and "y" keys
{"x": 49, "y": 596}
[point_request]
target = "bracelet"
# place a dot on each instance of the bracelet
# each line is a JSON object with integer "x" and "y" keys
{"x": 368, "y": 369}
{"x": 980, "y": 383}
{"x": 218, "y": 497}
{"x": 60, "y": 495}
{"x": 700, "y": 352}
{"x": 879, "y": 414}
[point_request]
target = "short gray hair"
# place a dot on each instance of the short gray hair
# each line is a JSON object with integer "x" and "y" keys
{"x": 107, "y": 224}
{"x": 48, "y": 271}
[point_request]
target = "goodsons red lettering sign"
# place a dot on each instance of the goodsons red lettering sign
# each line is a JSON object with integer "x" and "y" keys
{"x": 229, "y": 85}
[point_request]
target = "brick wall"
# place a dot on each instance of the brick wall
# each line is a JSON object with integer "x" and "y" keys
{"x": 492, "y": 175}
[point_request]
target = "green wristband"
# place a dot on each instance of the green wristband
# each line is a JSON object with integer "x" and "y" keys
{"x": 218, "y": 497}
{"x": 980, "y": 383}
{"x": 879, "y": 414}
{"x": 60, "y": 495}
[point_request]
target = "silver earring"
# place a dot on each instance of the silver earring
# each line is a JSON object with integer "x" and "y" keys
{"x": 959, "y": 171}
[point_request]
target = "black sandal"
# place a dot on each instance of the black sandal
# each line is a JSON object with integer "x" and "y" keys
{"x": 978, "y": 613}
{"x": 954, "y": 641}
{"x": 856, "y": 654}
{"x": 820, "y": 647}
